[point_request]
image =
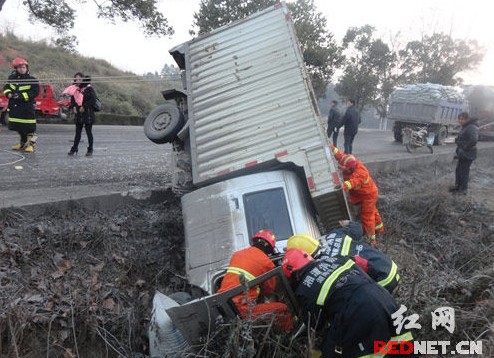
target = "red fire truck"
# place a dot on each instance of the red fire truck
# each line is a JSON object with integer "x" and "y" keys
{"x": 46, "y": 104}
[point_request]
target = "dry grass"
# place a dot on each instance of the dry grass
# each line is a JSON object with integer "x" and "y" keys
{"x": 444, "y": 247}
{"x": 79, "y": 284}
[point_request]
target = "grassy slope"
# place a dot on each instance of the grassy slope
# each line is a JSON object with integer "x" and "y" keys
{"x": 133, "y": 95}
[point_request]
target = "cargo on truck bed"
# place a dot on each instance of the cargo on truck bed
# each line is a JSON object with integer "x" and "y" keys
{"x": 426, "y": 105}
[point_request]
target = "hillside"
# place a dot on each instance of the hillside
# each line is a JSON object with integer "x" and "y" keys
{"x": 122, "y": 93}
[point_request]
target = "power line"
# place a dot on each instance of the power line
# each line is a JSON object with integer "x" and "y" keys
{"x": 101, "y": 79}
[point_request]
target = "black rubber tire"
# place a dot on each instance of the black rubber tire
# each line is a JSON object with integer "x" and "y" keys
{"x": 398, "y": 135}
{"x": 163, "y": 123}
{"x": 410, "y": 148}
{"x": 180, "y": 297}
{"x": 441, "y": 136}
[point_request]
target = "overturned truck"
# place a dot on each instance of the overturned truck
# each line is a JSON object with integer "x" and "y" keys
{"x": 249, "y": 152}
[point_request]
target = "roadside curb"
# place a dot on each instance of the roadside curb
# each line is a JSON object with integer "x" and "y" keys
{"x": 395, "y": 165}
{"x": 97, "y": 202}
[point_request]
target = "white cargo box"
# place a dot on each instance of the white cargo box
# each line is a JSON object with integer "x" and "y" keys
{"x": 251, "y": 106}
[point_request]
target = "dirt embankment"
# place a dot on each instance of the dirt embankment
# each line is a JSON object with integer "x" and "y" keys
{"x": 444, "y": 246}
{"x": 78, "y": 283}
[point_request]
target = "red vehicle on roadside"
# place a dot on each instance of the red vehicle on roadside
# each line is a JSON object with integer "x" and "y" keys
{"x": 46, "y": 104}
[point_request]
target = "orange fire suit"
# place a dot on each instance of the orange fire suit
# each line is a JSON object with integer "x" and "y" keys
{"x": 362, "y": 191}
{"x": 251, "y": 263}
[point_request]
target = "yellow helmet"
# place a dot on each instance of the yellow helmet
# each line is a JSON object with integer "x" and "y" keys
{"x": 303, "y": 242}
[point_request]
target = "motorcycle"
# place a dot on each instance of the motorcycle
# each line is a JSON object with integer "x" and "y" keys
{"x": 419, "y": 137}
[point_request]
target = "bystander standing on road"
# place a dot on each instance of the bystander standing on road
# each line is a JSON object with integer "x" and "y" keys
{"x": 466, "y": 152}
{"x": 334, "y": 122}
{"x": 83, "y": 99}
{"x": 350, "y": 122}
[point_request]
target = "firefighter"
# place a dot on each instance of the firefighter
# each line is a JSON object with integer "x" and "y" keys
{"x": 248, "y": 264}
{"x": 341, "y": 301}
{"x": 21, "y": 90}
{"x": 346, "y": 241}
{"x": 363, "y": 191}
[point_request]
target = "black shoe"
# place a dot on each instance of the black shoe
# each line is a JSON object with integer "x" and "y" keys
{"x": 89, "y": 152}
{"x": 460, "y": 192}
{"x": 72, "y": 151}
{"x": 453, "y": 189}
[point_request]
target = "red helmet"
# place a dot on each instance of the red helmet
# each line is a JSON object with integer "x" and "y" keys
{"x": 266, "y": 235}
{"x": 294, "y": 260}
{"x": 19, "y": 61}
{"x": 348, "y": 162}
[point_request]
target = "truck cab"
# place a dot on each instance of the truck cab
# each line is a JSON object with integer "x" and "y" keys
{"x": 221, "y": 218}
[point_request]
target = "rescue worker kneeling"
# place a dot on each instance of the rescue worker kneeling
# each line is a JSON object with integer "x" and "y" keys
{"x": 346, "y": 241}
{"x": 336, "y": 292}
{"x": 248, "y": 264}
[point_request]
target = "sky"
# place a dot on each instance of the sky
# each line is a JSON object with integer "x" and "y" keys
{"x": 124, "y": 46}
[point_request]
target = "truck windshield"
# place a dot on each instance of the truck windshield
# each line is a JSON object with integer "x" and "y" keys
{"x": 267, "y": 209}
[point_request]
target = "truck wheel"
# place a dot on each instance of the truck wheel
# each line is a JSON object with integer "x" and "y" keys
{"x": 398, "y": 135}
{"x": 441, "y": 136}
{"x": 410, "y": 148}
{"x": 163, "y": 123}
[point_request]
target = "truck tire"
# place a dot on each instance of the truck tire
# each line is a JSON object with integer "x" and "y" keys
{"x": 163, "y": 123}
{"x": 397, "y": 134}
{"x": 441, "y": 136}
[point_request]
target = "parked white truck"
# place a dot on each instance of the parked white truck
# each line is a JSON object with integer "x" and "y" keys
{"x": 248, "y": 127}
{"x": 433, "y": 106}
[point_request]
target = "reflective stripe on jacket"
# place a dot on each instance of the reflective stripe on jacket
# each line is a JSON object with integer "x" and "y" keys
{"x": 382, "y": 269}
{"x": 321, "y": 279}
{"x": 25, "y": 88}
{"x": 359, "y": 182}
{"x": 248, "y": 263}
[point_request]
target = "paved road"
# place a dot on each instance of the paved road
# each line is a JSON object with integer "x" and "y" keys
{"x": 125, "y": 160}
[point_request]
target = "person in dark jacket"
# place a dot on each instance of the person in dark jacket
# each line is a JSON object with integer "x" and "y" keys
{"x": 350, "y": 122}
{"x": 83, "y": 100}
{"x": 334, "y": 119}
{"x": 339, "y": 299}
{"x": 347, "y": 241}
{"x": 466, "y": 152}
{"x": 21, "y": 90}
